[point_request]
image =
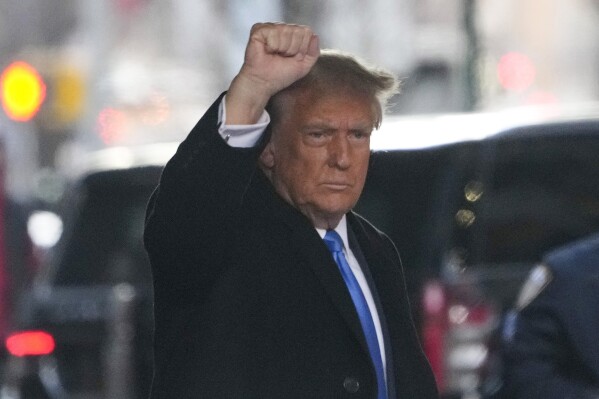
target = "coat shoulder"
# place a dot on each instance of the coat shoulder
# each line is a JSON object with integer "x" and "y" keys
{"x": 575, "y": 260}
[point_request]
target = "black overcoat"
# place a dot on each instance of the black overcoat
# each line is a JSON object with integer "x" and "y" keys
{"x": 249, "y": 302}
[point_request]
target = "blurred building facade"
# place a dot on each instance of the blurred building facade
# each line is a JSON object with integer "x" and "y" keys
{"x": 121, "y": 72}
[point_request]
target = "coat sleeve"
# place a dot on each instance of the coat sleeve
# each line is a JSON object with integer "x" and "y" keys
{"x": 541, "y": 361}
{"x": 192, "y": 211}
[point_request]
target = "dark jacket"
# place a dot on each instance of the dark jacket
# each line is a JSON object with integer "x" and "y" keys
{"x": 554, "y": 350}
{"x": 249, "y": 302}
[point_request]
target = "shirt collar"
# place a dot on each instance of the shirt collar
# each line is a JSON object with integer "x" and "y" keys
{"x": 341, "y": 229}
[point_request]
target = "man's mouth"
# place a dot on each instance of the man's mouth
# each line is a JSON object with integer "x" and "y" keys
{"x": 337, "y": 185}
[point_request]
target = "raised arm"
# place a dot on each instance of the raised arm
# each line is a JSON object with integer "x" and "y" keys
{"x": 276, "y": 56}
{"x": 202, "y": 186}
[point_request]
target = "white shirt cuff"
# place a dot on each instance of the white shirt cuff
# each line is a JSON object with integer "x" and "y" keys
{"x": 241, "y": 135}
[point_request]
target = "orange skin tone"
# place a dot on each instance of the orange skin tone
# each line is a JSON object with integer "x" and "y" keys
{"x": 318, "y": 156}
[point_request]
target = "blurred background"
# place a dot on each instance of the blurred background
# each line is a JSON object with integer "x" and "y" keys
{"x": 84, "y": 81}
{"x": 128, "y": 71}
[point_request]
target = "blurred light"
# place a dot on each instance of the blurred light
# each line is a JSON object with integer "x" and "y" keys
{"x": 434, "y": 329}
{"x": 458, "y": 314}
{"x": 112, "y": 158}
{"x": 473, "y": 191}
{"x": 69, "y": 94}
{"x": 44, "y": 228}
{"x": 111, "y": 125}
{"x": 468, "y": 383}
{"x": 30, "y": 343}
{"x": 434, "y": 298}
{"x": 128, "y": 6}
{"x": 516, "y": 72}
{"x": 158, "y": 110}
{"x": 23, "y": 91}
{"x": 465, "y": 218}
{"x": 422, "y": 131}
{"x": 541, "y": 98}
{"x": 468, "y": 356}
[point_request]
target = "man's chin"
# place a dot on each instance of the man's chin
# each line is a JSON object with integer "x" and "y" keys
{"x": 325, "y": 217}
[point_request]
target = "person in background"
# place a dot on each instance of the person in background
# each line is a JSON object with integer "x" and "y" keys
{"x": 551, "y": 348}
{"x": 266, "y": 284}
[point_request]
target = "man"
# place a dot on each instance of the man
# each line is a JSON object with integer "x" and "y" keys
{"x": 552, "y": 350}
{"x": 249, "y": 300}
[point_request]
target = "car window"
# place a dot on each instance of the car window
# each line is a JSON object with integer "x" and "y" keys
{"x": 398, "y": 194}
{"x": 104, "y": 244}
{"x": 488, "y": 204}
{"x": 526, "y": 196}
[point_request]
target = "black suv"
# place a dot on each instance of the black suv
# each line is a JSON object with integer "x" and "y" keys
{"x": 469, "y": 218}
{"x": 85, "y": 329}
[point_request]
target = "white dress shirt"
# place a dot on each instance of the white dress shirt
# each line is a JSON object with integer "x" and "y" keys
{"x": 247, "y": 136}
{"x": 341, "y": 229}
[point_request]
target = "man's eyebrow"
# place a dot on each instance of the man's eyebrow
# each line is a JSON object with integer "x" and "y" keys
{"x": 363, "y": 126}
{"x": 326, "y": 125}
{"x": 318, "y": 125}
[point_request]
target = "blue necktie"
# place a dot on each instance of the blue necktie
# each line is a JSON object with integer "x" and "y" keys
{"x": 335, "y": 244}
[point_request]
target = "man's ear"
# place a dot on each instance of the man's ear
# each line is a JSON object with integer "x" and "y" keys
{"x": 267, "y": 157}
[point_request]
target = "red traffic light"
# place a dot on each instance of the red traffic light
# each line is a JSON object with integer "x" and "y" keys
{"x": 23, "y": 91}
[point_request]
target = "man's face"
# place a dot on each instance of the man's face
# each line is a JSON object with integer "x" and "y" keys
{"x": 318, "y": 155}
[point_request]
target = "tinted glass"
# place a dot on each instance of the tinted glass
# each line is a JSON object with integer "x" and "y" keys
{"x": 528, "y": 196}
{"x": 103, "y": 242}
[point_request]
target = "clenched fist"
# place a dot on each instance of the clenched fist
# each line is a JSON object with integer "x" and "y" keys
{"x": 276, "y": 56}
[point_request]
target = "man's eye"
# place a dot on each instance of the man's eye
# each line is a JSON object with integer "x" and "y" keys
{"x": 360, "y": 135}
{"x": 316, "y": 135}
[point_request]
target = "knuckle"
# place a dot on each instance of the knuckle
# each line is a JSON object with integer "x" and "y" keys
{"x": 257, "y": 26}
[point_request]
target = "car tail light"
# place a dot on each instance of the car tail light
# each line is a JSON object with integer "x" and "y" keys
{"x": 30, "y": 343}
{"x": 455, "y": 333}
{"x": 434, "y": 327}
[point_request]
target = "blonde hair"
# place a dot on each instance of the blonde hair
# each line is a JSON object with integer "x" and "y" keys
{"x": 335, "y": 71}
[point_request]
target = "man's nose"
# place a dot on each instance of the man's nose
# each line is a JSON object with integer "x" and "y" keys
{"x": 339, "y": 150}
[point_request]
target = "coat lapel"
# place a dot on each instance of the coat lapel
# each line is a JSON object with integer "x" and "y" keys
{"x": 407, "y": 360}
{"x": 312, "y": 252}
{"x": 359, "y": 254}
{"x": 384, "y": 273}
